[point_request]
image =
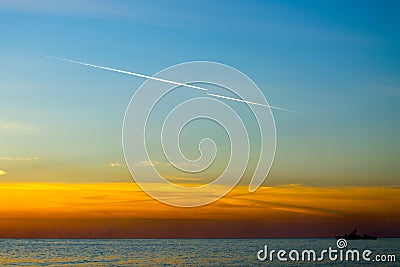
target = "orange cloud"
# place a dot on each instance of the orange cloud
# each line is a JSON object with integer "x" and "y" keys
{"x": 282, "y": 207}
{"x": 128, "y": 200}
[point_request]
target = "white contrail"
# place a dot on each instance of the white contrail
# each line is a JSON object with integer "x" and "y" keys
{"x": 166, "y": 81}
{"x": 249, "y": 102}
{"x": 130, "y": 73}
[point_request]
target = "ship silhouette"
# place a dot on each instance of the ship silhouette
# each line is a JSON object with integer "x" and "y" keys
{"x": 354, "y": 236}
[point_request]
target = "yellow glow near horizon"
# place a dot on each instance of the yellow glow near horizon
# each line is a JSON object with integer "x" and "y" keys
{"x": 127, "y": 200}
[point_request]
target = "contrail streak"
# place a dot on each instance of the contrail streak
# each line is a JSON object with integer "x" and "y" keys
{"x": 129, "y": 73}
{"x": 166, "y": 81}
{"x": 249, "y": 102}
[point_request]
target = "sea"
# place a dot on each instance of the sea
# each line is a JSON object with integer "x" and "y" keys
{"x": 195, "y": 252}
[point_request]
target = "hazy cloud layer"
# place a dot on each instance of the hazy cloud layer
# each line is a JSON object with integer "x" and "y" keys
{"x": 14, "y": 125}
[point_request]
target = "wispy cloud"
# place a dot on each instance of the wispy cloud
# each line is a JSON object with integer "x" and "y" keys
{"x": 74, "y": 7}
{"x": 114, "y": 165}
{"x": 275, "y": 203}
{"x": 14, "y": 125}
{"x": 297, "y": 23}
{"x": 18, "y": 158}
{"x": 147, "y": 163}
{"x": 290, "y": 185}
{"x": 2, "y": 172}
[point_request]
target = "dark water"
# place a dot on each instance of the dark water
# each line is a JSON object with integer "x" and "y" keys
{"x": 177, "y": 252}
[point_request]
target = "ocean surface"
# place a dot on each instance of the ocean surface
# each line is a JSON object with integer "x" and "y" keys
{"x": 181, "y": 252}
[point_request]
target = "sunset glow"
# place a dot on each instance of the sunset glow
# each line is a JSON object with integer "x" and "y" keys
{"x": 79, "y": 142}
{"x": 289, "y": 208}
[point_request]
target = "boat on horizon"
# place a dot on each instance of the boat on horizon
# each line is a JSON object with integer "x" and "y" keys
{"x": 354, "y": 236}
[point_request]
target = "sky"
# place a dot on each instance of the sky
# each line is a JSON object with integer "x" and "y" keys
{"x": 335, "y": 62}
{"x": 120, "y": 210}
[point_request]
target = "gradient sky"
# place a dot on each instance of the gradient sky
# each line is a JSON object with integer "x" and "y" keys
{"x": 337, "y": 62}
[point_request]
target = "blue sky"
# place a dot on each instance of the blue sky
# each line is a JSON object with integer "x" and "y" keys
{"x": 335, "y": 61}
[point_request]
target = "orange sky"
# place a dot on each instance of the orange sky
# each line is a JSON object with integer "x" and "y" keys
{"x": 123, "y": 210}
